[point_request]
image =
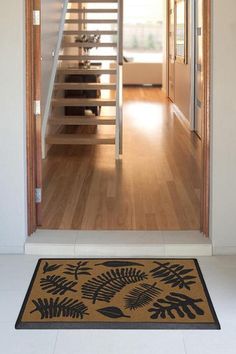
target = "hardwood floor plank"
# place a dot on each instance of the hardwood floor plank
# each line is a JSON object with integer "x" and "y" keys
{"x": 154, "y": 187}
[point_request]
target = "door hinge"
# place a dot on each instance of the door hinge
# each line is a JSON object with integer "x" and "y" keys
{"x": 36, "y": 17}
{"x": 199, "y": 31}
{"x": 37, "y": 108}
{"x": 199, "y": 104}
{"x": 38, "y": 195}
{"x": 199, "y": 68}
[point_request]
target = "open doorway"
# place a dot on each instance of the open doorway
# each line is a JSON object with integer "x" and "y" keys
{"x": 157, "y": 185}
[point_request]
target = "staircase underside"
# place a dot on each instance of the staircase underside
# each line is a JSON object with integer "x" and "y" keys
{"x": 85, "y": 95}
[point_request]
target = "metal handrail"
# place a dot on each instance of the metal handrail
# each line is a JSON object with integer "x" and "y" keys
{"x": 119, "y": 95}
{"x": 120, "y": 30}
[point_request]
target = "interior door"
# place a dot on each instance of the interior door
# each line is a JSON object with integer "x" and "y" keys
{"x": 171, "y": 49}
{"x": 199, "y": 68}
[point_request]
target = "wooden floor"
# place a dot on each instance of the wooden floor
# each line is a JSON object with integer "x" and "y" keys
{"x": 156, "y": 185}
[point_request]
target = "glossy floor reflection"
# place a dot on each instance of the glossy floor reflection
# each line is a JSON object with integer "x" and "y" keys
{"x": 156, "y": 185}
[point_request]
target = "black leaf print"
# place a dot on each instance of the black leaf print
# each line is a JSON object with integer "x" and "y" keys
{"x": 54, "y": 308}
{"x": 176, "y": 303}
{"x": 141, "y": 296}
{"x": 116, "y": 264}
{"x": 50, "y": 268}
{"x": 55, "y": 284}
{"x": 174, "y": 274}
{"x": 112, "y": 312}
{"x": 108, "y": 284}
{"x": 78, "y": 269}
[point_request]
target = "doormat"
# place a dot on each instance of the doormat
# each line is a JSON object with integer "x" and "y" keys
{"x": 117, "y": 294}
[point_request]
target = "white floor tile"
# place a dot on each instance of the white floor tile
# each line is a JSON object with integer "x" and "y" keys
{"x": 50, "y": 242}
{"x": 10, "y": 304}
{"x": 210, "y": 342}
{"x": 26, "y": 342}
{"x": 118, "y": 244}
{"x": 55, "y": 236}
{"x": 184, "y": 237}
{"x": 117, "y": 342}
{"x": 120, "y": 238}
{"x": 226, "y": 261}
{"x": 221, "y": 284}
{"x": 16, "y": 273}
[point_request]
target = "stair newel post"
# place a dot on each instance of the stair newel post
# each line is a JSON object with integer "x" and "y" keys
{"x": 119, "y": 89}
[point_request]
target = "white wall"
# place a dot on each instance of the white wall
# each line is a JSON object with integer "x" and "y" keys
{"x": 142, "y": 73}
{"x": 51, "y": 18}
{"x": 224, "y": 125}
{"x": 12, "y": 131}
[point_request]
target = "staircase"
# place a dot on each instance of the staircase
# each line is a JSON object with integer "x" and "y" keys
{"x": 81, "y": 74}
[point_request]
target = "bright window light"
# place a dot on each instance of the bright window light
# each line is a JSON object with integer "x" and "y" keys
{"x": 143, "y": 30}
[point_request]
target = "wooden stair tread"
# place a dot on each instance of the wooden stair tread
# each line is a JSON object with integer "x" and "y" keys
{"x": 80, "y": 139}
{"x": 80, "y": 32}
{"x": 88, "y": 45}
{"x": 87, "y": 102}
{"x": 83, "y": 86}
{"x": 82, "y": 120}
{"x": 75, "y": 11}
{"x": 90, "y": 21}
{"x": 87, "y": 57}
{"x": 92, "y": 1}
{"x": 77, "y": 71}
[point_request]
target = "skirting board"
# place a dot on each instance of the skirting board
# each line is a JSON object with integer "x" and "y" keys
{"x": 224, "y": 251}
{"x": 11, "y": 250}
{"x": 181, "y": 117}
{"x": 118, "y": 244}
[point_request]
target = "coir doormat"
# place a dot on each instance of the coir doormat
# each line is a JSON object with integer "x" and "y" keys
{"x": 117, "y": 294}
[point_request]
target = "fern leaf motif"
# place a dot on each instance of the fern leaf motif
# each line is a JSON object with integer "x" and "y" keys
{"x": 174, "y": 274}
{"x": 50, "y": 267}
{"x": 78, "y": 269}
{"x": 54, "y": 308}
{"x": 105, "y": 286}
{"x": 141, "y": 296}
{"x": 117, "y": 264}
{"x": 112, "y": 312}
{"x": 57, "y": 285}
{"x": 176, "y": 303}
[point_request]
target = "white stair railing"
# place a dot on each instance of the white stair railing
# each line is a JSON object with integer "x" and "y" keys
{"x": 53, "y": 76}
{"x": 119, "y": 83}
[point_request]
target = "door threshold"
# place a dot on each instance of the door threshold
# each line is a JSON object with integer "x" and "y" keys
{"x": 118, "y": 244}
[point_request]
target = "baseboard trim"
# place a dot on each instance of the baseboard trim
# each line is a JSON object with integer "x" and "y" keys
{"x": 11, "y": 250}
{"x": 224, "y": 251}
{"x": 143, "y": 85}
{"x": 179, "y": 114}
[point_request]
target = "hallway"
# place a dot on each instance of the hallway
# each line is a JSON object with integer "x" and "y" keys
{"x": 156, "y": 185}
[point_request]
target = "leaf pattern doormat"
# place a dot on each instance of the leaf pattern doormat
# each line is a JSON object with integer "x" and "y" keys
{"x": 117, "y": 294}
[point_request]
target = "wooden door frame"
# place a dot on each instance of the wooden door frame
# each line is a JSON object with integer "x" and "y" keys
{"x": 206, "y": 124}
{"x": 33, "y": 127}
{"x": 33, "y": 115}
{"x": 30, "y": 130}
{"x": 206, "y": 129}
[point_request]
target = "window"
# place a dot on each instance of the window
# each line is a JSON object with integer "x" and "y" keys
{"x": 143, "y": 30}
{"x": 181, "y": 31}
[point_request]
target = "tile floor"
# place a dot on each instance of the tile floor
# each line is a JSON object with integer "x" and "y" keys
{"x": 116, "y": 243}
{"x": 16, "y": 272}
